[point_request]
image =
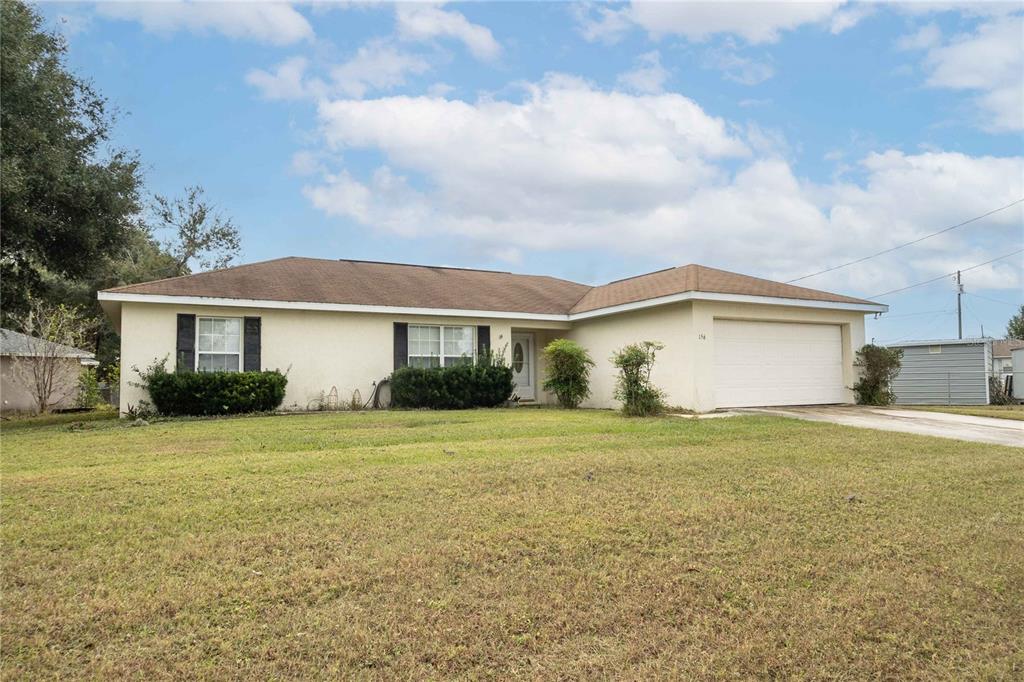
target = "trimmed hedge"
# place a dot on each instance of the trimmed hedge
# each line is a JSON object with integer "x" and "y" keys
{"x": 210, "y": 393}
{"x": 485, "y": 384}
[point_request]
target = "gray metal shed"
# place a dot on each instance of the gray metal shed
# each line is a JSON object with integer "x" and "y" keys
{"x": 944, "y": 372}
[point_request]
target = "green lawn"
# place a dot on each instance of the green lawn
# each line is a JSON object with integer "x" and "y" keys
{"x": 998, "y": 411}
{"x": 503, "y": 544}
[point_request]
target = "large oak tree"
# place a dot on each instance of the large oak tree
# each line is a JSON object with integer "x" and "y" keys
{"x": 67, "y": 201}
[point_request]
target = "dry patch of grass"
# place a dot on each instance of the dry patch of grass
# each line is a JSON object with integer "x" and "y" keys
{"x": 998, "y": 411}
{"x": 497, "y": 544}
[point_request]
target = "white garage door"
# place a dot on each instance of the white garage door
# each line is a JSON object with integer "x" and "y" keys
{"x": 777, "y": 363}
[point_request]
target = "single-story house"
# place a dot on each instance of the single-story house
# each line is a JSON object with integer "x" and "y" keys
{"x": 1017, "y": 384}
{"x": 944, "y": 372}
{"x": 1002, "y": 358}
{"x": 730, "y": 340}
{"x": 17, "y": 348}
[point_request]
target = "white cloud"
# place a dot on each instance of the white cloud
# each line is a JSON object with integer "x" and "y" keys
{"x": 377, "y": 65}
{"x": 988, "y": 61}
{"x": 287, "y": 81}
{"x": 597, "y": 23}
{"x": 571, "y": 166}
{"x": 306, "y": 162}
{"x": 735, "y": 67}
{"x": 426, "y": 22}
{"x": 755, "y": 22}
{"x": 925, "y": 37}
{"x": 849, "y": 16}
{"x": 265, "y": 22}
{"x": 649, "y": 76}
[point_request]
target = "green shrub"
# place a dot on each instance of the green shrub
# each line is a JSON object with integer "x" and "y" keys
{"x": 210, "y": 393}
{"x": 88, "y": 389}
{"x": 639, "y": 397}
{"x": 879, "y": 366}
{"x": 487, "y": 383}
{"x": 567, "y": 372}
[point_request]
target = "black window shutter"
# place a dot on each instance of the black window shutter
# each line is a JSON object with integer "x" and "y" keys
{"x": 185, "y": 355}
{"x": 251, "y": 345}
{"x": 483, "y": 339}
{"x": 401, "y": 344}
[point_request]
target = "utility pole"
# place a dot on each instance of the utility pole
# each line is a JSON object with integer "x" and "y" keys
{"x": 959, "y": 312}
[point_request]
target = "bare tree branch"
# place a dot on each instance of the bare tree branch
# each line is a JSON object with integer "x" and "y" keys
{"x": 200, "y": 232}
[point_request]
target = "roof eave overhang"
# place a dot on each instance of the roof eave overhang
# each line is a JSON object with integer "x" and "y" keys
{"x": 110, "y": 299}
{"x": 866, "y": 307}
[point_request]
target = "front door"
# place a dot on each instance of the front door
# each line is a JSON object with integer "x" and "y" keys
{"x": 522, "y": 366}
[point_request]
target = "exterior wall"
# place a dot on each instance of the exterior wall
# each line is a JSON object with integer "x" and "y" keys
{"x": 351, "y": 351}
{"x": 16, "y": 398}
{"x": 1018, "y": 373}
{"x": 673, "y": 369}
{"x": 957, "y": 375}
{"x": 702, "y": 340}
{"x": 318, "y": 349}
{"x": 685, "y": 369}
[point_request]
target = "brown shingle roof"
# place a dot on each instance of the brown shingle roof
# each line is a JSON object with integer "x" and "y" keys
{"x": 1002, "y": 347}
{"x": 697, "y": 278}
{"x": 313, "y": 280}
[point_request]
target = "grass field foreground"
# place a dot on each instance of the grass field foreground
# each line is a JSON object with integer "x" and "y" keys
{"x": 498, "y": 544}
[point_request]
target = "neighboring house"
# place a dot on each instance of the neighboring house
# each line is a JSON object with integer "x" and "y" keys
{"x": 1002, "y": 360}
{"x": 1018, "y": 373}
{"x": 730, "y": 340}
{"x": 944, "y": 372}
{"x": 16, "y": 348}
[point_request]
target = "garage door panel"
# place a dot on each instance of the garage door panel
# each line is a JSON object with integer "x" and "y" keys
{"x": 777, "y": 363}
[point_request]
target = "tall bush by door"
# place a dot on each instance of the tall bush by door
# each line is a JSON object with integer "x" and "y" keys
{"x": 212, "y": 393}
{"x": 485, "y": 383}
{"x": 567, "y": 372}
{"x": 639, "y": 396}
{"x": 879, "y": 366}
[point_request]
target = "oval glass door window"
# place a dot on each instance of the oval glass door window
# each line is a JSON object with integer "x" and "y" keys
{"x": 517, "y": 358}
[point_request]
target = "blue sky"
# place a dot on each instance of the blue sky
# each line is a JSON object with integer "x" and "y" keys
{"x": 593, "y": 141}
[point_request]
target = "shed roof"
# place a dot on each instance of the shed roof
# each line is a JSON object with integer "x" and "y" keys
{"x": 16, "y": 343}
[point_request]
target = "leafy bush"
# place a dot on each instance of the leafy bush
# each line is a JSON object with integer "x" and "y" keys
{"x": 209, "y": 393}
{"x": 487, "y": 383}
{"x": 567, "y": 372}
{"x": 640, "y": 398}
{"x": 88, "y": 389}
{"x": 879, "y": 366}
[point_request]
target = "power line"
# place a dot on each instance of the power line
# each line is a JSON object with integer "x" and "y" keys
{"x": 896, "y": 248}
{"x": 948, "y": 274}
{"x": 994, "y": 300}
{"x": 882, "y": 318}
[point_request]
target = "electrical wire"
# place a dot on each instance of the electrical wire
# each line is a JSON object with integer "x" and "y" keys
{"x": 929, "y": 325}
{"x": 910, "y": 243}
{"x": 994, "y": 300}
{"x": 948, "y": 274}
{"x": 886, "y": 316}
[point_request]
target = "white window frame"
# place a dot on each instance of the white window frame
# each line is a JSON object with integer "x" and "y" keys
{"x": 241, "y": 341}
{"x": 441, "y": 335}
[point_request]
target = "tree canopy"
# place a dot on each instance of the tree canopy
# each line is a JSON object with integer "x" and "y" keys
{"x": 71, "y": 204}
{"x": 65, "y": 202}
{"x": 1015, "y": 327}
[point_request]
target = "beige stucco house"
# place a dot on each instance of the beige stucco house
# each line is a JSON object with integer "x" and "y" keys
{"x": 19, "y": 352}
{"x": 730, "y": 340}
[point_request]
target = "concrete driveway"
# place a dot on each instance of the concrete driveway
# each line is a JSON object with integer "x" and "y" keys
{"x": 960, "y": 427}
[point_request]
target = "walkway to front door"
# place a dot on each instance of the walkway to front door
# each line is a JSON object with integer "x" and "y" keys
{"x": 522, "y": 366}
